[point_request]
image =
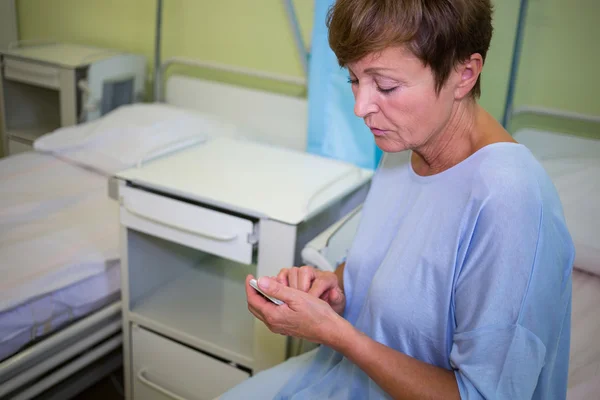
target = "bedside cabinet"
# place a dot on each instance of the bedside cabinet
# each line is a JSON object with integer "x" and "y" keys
{"x": 48, "y": 86}
{"x": 194, "y": 225}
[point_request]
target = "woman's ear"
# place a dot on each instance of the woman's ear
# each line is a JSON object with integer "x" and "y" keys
{"x": 468, "y": 71}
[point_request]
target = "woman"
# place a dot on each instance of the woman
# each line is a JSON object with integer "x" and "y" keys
{"x": 458, "y": 283}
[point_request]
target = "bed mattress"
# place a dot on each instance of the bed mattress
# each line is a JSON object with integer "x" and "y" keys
{"x": 40, "y": 316}
{"x": 57, "y": 227}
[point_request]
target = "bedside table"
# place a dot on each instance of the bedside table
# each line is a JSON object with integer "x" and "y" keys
{"x": 194, "y": 225}
{"x": 47, "y": 86}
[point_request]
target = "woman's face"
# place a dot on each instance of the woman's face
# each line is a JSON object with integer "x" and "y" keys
{"x": 395, "y": 95}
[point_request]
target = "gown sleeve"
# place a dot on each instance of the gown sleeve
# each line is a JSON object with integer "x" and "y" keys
{"x": 514, "y": 265}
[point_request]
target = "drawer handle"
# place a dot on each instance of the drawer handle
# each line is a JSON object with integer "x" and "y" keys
{"x": 220, "y": 238}
{"x": 142, "y": 378}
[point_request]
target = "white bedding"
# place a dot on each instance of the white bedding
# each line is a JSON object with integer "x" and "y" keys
{"x": 33, "y": 184}
{"x": 57, "y": 226}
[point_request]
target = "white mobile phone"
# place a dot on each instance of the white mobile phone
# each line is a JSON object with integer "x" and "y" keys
{"x": 254, "y": 284}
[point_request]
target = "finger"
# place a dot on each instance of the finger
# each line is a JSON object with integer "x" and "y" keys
{"x": 282, "y": 277}
{"x": 306, "y": 276}
{"x": 336, "y": 297}
{"x": 260, "y": 306}
{"x": 249, "y": 289}
{"x": 254, "y": 298}
{"x": 270, "y": 314}
{"x": 275, "y": 289}
{"x": 254, "y": 312}
{"x": 320, "y": 286}
{"x": 262, "y": 318}
{"x": 293, "y": 278}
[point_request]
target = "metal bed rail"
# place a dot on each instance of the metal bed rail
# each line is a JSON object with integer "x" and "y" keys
{"x": 215, "y": 66}
{"x": 550, "y": 119}
{"x": 161, "y": 67}
{"x": 39, "y": 367}
{"x": 551, "y": 112}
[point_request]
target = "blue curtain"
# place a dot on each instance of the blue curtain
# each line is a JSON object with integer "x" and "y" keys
{"x": 333, "y": 129}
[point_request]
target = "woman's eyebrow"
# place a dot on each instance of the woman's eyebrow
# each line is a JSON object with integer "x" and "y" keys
{"x": 376, "y": 70}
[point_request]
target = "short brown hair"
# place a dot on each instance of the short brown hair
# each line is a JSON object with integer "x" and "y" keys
{"x": 441, "y": 33}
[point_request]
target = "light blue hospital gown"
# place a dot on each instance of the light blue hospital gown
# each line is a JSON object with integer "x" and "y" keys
{"x": 469, "y": 270}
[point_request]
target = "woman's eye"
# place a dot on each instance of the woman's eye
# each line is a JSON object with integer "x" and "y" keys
{"x": 386, "y": 90}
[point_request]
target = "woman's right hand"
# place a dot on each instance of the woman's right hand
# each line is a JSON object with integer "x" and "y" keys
{"x": 322, "y": 284}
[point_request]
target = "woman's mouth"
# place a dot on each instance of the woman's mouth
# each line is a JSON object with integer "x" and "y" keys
{"x": 378, "y": 132}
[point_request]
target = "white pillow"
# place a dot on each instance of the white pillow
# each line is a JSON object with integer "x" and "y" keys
{"x": 122, "y": 137}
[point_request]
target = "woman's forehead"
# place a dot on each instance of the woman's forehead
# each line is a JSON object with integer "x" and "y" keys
{"x": 390, "y": 60}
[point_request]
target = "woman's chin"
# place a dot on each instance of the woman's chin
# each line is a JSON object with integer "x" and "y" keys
{"x": 389, "y": 146}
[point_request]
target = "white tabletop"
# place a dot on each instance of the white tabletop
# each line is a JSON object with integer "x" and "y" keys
{"x": 63, "y": 54}
{"x": 251, "y": 178}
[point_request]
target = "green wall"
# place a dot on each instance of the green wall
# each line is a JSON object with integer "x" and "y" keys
{"x": 559, "y": 64}
{"x": 561, "y": 57}
{"x": 252, "y": 34}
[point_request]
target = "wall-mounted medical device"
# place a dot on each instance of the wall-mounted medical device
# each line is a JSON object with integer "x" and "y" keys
{"x": 45, "y": 86}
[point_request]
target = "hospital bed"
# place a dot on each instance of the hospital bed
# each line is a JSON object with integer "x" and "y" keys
{"x": 58, "y": 265}
{"x": 59, "y": 245}
{"x": 571, "y": 156}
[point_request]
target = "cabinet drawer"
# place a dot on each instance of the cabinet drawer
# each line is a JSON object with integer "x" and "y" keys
{"x": 163, "y": 369}
{"x": 194, "y": 226}
{"x": 33, "y": 73}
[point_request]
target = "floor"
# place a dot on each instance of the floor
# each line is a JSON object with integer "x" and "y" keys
{"x": 105, "y": 389}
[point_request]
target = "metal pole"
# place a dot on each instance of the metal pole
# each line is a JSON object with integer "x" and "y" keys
{"x": 301, "y": 48}
{"x": 157, "y": 39}
{"x": 516, "y": 58}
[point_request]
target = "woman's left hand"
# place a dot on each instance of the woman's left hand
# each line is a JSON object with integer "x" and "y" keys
{"x": 303, "y": 315}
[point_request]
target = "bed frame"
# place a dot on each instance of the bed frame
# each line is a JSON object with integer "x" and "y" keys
{"x": 33, "y": 371}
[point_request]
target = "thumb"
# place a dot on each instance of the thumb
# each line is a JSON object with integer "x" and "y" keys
{"x": 277, "y": 290}
{"x": 336, "y": 296}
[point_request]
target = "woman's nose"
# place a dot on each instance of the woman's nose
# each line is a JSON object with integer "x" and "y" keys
{"x": 364, "y": 103}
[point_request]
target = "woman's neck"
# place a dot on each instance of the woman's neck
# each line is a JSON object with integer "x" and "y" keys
{"x": 469, "y": 129}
